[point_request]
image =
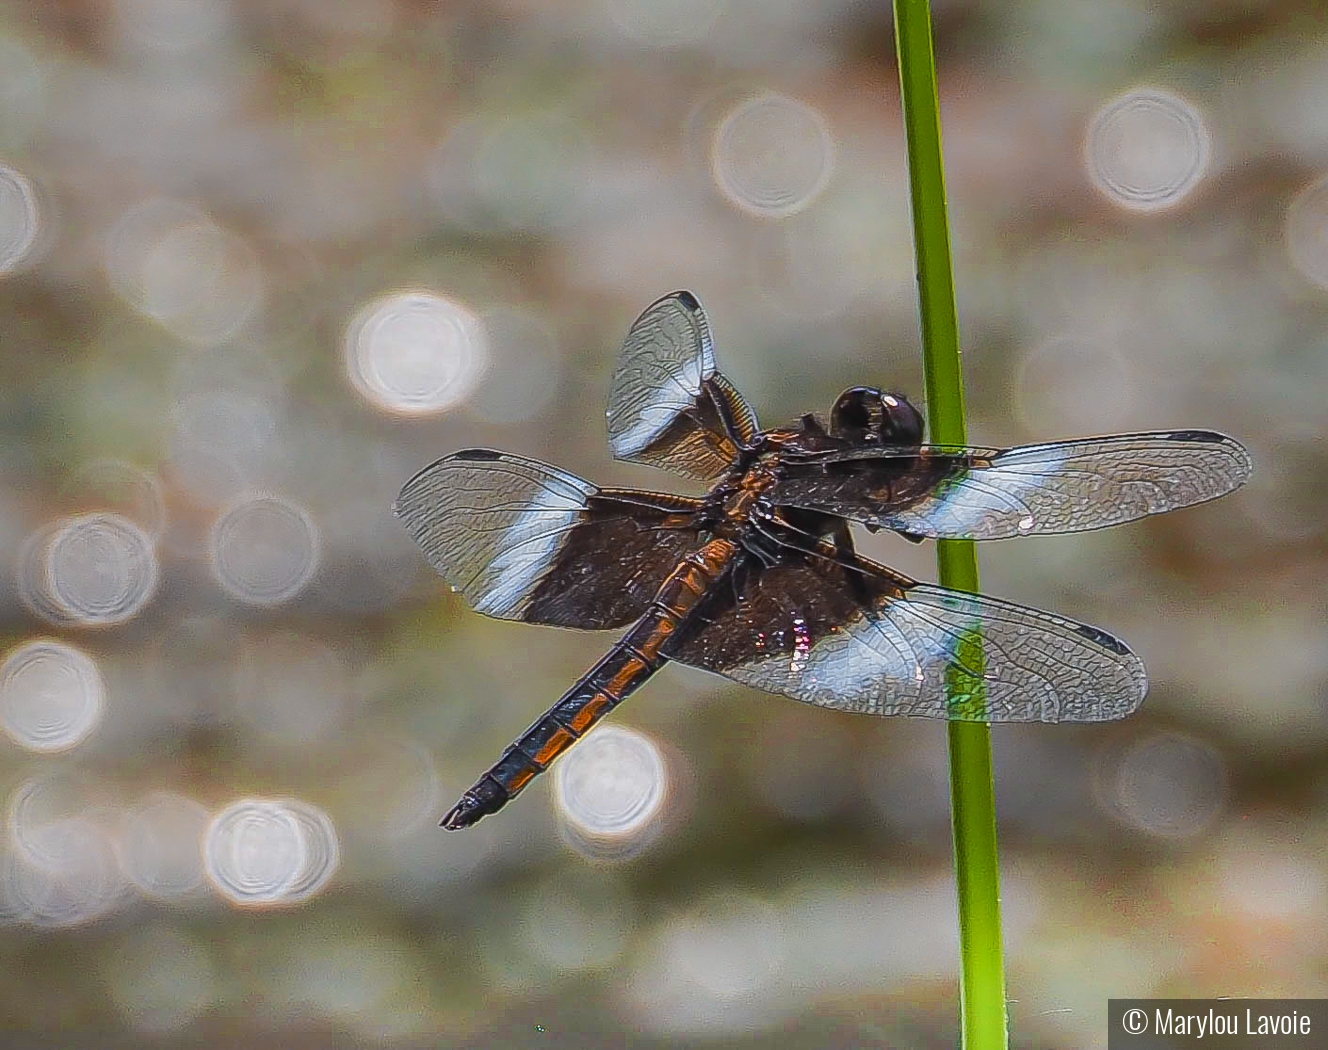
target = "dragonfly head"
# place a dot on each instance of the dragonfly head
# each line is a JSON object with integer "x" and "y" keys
{"x": 865, "y": 414}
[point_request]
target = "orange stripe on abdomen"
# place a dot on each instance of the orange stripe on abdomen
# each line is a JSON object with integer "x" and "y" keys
{"x": 634, "y": 669}
{"x": 559, "y": 742}
{"x": 521, "y": 779}
{"x": 579, "y": 714}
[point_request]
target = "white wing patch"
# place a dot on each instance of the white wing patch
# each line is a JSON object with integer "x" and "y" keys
{"x": 1003, "y": 492}
{"x": 491, "y": 524}
{"x": 527, "y": 549}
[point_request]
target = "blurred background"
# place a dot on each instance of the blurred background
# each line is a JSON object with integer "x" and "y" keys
{"x": 261, "y": 262}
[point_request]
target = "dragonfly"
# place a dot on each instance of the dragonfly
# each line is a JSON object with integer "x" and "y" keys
{"x": 759, "y": 580}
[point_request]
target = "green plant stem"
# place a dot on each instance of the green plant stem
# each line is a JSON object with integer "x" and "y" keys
{"x": 972, "y": 793}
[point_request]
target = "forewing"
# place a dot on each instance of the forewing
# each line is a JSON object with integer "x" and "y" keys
{"x": 985, "y": 494}
{"x": 668, "y": 405}
{"x": 887, "y": 645}
{"x": 525, "y": 541}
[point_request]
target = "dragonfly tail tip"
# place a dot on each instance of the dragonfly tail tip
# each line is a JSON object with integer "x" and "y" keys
{"x": 484, "y": 798}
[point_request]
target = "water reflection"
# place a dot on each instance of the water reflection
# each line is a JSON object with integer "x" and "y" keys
{"x": 610, "y": 791}
{"x": 265, "y": 852}
{"x": 1147, "y": 150}
{"x": 415, "y": 353}
{"x": 94, "y": 569}
{"x": 51, "y": 695}
{"x": 264, "y": 550}
{"x": 772, "y": 155}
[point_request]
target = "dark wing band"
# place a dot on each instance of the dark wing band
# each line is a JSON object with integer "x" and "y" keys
{"x": 878, "y": 643}
{"x": 668, "y": 405}
{"x": 525, "y": 541}
{"x": 983, "y": 494}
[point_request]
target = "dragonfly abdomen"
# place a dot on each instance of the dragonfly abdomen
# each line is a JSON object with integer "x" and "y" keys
{"x": 622, "y": 671}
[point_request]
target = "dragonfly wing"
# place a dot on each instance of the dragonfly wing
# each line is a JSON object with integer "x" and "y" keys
{"x": 522, "y": 540}
{"x": 668, "y": 405}
{"x": 870, "y": 640}
{"x": 985, "y": 494}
